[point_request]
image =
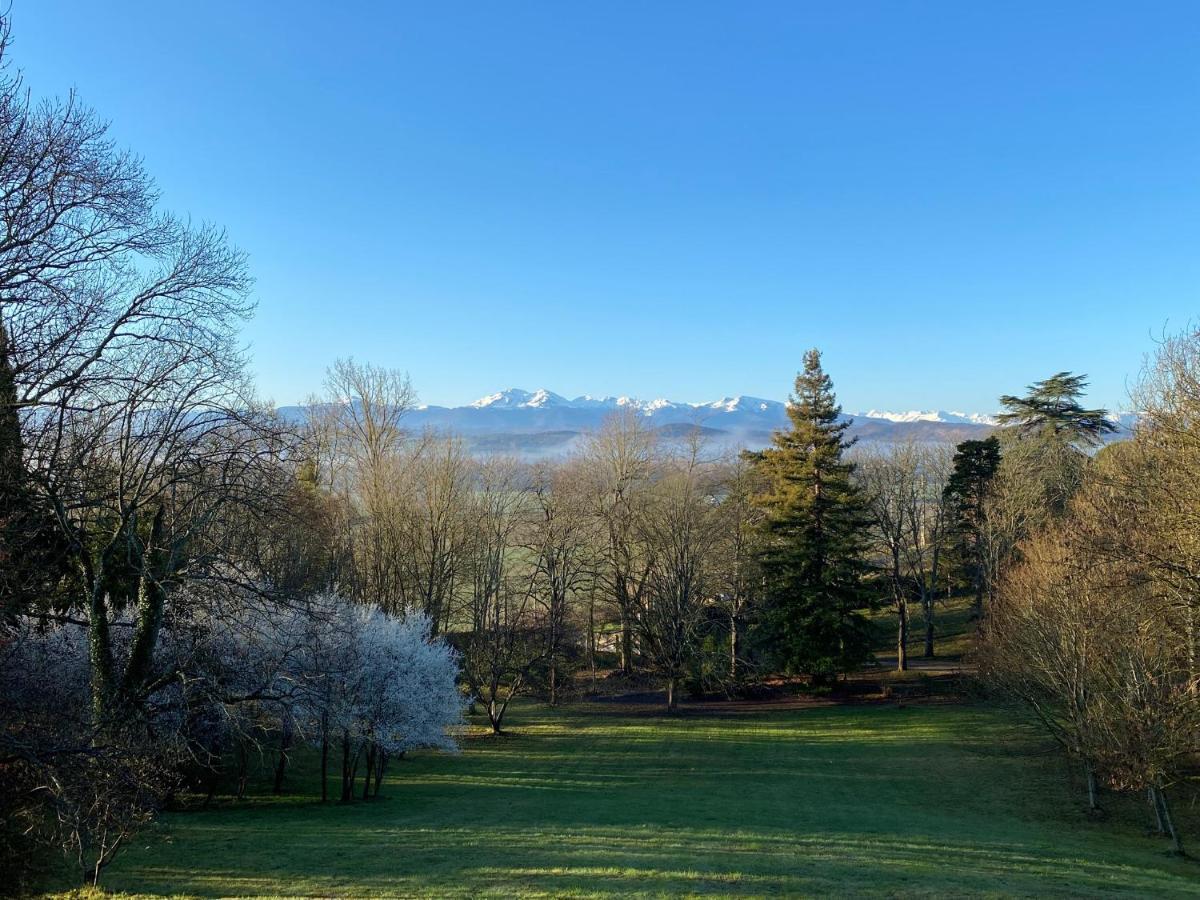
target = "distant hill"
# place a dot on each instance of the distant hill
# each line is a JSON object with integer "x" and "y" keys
{"x": 543, "y": 423}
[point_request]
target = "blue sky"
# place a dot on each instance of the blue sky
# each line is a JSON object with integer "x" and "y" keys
{"x": 950, "y": 199}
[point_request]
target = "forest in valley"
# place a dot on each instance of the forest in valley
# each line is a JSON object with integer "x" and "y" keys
{"x": 203, "y": 603}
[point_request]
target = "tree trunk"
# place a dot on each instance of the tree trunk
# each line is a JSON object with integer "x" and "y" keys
{"x": 980, "y": 574}
{"x": 626, "y": 644}
{"x": 210, "y": 783}
{"x": 151, "y": 603}
{"x": 1091, "y": 789}
{"x": 366, "y": 793}
{"x": 285, "y": 742}
{"x": 553, "y": 682}
{"x": 380, "y": 768}
{"x": 324, "y": 759}
{"x": 1190, "y": 633}
{"x": 1160, "y": 828}
{"x": 671, "y": 702}
{"x": 280, "y": 768}
{"x": 243, "y": 766}
{"x": 1165, "y": 812}
{"x": 347, "y": 772}
{"x": 902, "y": 635}
{"x": 927, "y": 609}
{"x": 733, "y": 644}
{"x": 592, "y": 636}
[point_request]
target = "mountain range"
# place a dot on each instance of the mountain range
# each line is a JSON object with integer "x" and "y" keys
{"x": 541, "y": 422}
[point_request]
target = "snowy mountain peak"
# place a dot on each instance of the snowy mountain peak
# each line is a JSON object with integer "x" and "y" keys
{"x": 542, "y": 397}
{"x": 515, "y": 398}
{"x": 756, "y": 408}
{"x": 539, "y": 423}
{"x": 501, "y": 399}
{"x": 937, "y": 415}
{"x": 740, "y": 404}
{"x": 655, "y": 405}
{"x": 587, "y": 401}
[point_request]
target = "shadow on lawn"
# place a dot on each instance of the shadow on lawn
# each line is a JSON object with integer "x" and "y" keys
{"x": 498, "y": 861}
{"x": 581, "y": 802}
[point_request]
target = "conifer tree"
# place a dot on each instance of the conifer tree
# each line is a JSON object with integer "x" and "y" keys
{"x": 975, "y": 465}
{"x": 11, "y": 483}
{"x": 1052, "y": 405}
{"x": 32, "y": 555}
{"x": 814, "y": 536}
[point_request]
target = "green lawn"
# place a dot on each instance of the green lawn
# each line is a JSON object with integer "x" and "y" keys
{"x": 953, "y": 628}
{"x": 927, "y": 800}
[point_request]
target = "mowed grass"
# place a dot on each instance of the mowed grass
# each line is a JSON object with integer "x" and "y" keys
{"x": 953, "y": 629}
{"x": 870, "y": 799}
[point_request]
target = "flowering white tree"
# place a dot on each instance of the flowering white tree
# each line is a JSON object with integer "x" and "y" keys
{"x": 381, "y": 684}
{"x": 408, "y": 696}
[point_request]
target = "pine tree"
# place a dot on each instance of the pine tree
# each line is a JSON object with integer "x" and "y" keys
{"x": 11, "y": 443}
{"x": 13, "y": 494}
{"x": 975, "y": 465}
{"x": 814, "y": 536}
{"x": 1053, "y": 406}
{"x": 32, "y": 555}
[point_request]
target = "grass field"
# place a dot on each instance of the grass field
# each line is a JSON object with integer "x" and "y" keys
{"x": 854, "y": 799}
{"x": 954, "y": 629}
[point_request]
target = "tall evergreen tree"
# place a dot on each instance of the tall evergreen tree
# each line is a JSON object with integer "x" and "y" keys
{"x": 975, "y": 465}
{"x": 1052, "y": 405}
{"x": 1045, "y": 453}
{"x": 32, "y": 555}
{"x": 814, "y": 536}
{"x": 12, "y": 487}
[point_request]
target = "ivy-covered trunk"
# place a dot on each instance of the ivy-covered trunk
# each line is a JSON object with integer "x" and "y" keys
{"x": 132, "y": 571}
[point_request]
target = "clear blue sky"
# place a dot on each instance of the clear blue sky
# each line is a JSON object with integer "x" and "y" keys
{"x": 950, "y": 199}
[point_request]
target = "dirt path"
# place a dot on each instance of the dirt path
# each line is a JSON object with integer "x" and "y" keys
{"x": 923, "y": 666}
{"x": 935, "y": 680}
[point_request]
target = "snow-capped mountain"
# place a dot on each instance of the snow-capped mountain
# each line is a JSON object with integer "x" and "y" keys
{"x": 939, "y": 415}
{"x": 541, "y": 422}
{"x": 1123, "y": 420}
{"x": 515, "y": 398}
{"x": 544, "y": 422}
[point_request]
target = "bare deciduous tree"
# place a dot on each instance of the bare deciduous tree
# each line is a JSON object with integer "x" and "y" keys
{"x": 620, "y": 460}
{"x": 738, "y": 577}
{"x": 561, "y": 539}
{"x": 680, "y": 530}
{"x": 506, "y": 637}
{"x": 905, "y": 485}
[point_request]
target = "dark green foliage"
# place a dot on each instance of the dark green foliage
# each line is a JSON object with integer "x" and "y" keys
{"x": 1053, "y": 404}
{"x": 975, "y": 465}
{"x": 813, "y": 536}
{"x": 32, "y": 556}
{"x": 1045, "y": 455}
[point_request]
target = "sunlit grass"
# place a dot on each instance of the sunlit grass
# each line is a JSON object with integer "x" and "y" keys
{"x": 868, "y": 799}
{"x": 953, "y": 629}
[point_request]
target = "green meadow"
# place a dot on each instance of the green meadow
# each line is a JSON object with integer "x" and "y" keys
{"x": 595, "y": 800}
